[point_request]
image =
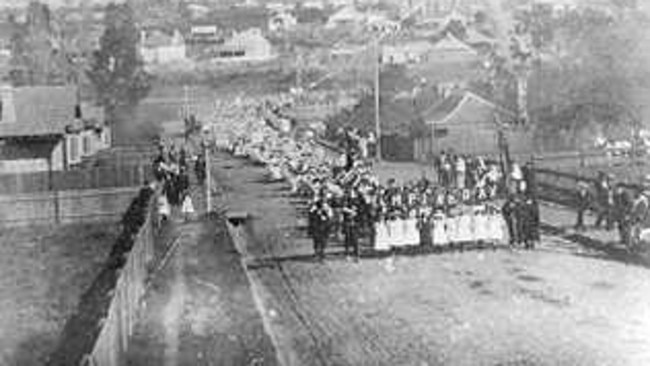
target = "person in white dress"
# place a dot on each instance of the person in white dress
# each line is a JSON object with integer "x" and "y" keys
{"x": 164, "y": 209}
{"x": 439, "y": 230}
{"x": 187, "y": 208}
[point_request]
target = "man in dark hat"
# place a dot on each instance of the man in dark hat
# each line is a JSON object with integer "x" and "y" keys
{"x": 320, "y": 216}
{"x": 605, "y": 201}
{"x": 350, "y": 213}
{"x": 582, "y": 204}
{"x": 509, "y": 211}
{"x": 529, "y": 217}
{"x": 622, "y": 210}
{"x": 199, "y": 169}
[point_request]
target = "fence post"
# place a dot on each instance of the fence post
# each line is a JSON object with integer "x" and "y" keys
{"x": 57, "y": 209}
{"x": 141, "y": 176}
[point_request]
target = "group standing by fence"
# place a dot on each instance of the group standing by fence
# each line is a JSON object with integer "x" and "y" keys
{"x": 616, "y": 207}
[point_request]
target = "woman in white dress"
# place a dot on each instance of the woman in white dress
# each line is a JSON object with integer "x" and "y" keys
{"x": 164, "y": 209}
{"x": 187, "y": 207}
{"x": 411, "y": 233}
{"x": 481, "y": 229}
{"x": 439, "y": 230}
{"x": 464, "y": 229}
{"x": 496, "y": 232}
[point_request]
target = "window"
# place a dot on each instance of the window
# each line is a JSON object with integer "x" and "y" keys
{"x": 73, "y": 150}
{"x": 440, "y": 132}
{"x": 86, "y": 145}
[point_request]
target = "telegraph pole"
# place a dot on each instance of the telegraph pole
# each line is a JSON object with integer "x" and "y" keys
{"x": 208, "y": 177}
{"x": 377, "y": 121}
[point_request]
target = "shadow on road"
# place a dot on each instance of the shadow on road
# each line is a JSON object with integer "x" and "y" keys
{"x": 609, "y": 251}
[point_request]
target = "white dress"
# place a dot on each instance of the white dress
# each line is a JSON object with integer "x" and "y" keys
{"x": 394, "y": 232}
{"x": 411, "y": 235}
{"x": 188, "y": 206}
{"x": 496, "y": 228}
{"x": 382, "y": 239}
{"x": 439, "y": 231}
{"x": 464, "y": 228}
{"x": 163, "y": 206}
{"x": 481, "y": 229}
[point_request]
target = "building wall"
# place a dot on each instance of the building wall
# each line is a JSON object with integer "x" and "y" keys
{"x": 163, "y": 54}
{"x": 35, "y": 164}
{"x": 23, "y": 165}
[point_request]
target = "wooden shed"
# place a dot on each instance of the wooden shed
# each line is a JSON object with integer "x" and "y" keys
{"x": 469, "y": 124}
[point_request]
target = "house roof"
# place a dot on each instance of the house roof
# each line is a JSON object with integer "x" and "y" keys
{"x": 475, "y": 37}
{"x": 436, "y": 72}
{"x": 347, "y": 14}
{"x": 41, "y": 110}
{"x": 451, "y": 43}
{"x": 453, "y": 106}
{"x": 237, "y": 19}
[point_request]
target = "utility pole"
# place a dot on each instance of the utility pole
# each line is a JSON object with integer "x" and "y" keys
{"x": 377, "y": 121}
{"x": 208, "y": 177}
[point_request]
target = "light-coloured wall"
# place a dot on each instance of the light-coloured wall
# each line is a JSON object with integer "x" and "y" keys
{"x": 23, "y": 165}
{"x": 37, "y": 164}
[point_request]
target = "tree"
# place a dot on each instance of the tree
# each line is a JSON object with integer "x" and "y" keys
{"x": 35, "y": 58}
{"x": 116, "y": 71}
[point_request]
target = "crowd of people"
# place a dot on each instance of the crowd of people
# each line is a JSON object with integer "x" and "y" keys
{"x": 467, "y": 203}
{"x": 171, "y": 169}
{"x": 615, "y": 206}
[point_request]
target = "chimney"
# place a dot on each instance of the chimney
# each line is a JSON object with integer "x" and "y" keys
{"x": 7, "y": 112}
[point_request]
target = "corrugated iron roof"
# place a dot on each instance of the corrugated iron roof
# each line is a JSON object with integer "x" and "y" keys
{"x": 41, "y": 110}
{"x": 452, "y": 106}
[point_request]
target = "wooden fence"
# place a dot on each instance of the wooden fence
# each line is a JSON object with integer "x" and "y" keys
{"x": 90, "y": 178}
{"x": 61, "y": 207}
{"x": 561, "y": 187}
{"x": 111, "y": 345}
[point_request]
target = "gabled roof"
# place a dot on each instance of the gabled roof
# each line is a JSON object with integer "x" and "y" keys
{"x": 451, "y": 43}
{"x": 347, "y": 13}
{"x": 452, "y": 106}
{"x": 475, "y": 37}
{"x": 40, "y": 111}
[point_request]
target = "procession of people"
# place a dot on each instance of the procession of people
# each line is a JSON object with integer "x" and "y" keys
{"x": 471, "y": 201}
{"x": 171, "y": 170}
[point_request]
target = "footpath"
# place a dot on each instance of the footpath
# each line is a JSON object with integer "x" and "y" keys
{"x": 199, "y": 307}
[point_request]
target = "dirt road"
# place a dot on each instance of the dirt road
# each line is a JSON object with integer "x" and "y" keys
{"x": 562, "y": 304}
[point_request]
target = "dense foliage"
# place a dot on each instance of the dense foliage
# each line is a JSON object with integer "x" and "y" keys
{"x": 116, "y": 70}
{"x": 37, "y": 58}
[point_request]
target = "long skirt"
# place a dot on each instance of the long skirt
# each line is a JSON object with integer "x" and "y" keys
{"x": 188, "y": 206}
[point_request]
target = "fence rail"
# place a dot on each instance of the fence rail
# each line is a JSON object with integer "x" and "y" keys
{"x": 63, "y": 207}
{"x": 561, "y": 187}
{"x": 91, "y": 178}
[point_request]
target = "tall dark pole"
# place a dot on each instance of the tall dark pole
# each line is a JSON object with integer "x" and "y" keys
{"x": 377, "y": 121}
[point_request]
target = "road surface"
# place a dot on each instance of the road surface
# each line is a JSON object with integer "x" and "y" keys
{"x": 563, "y": 304}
